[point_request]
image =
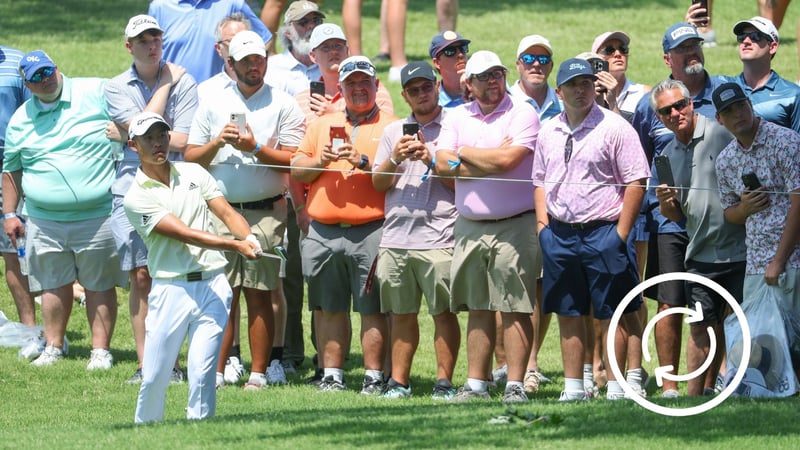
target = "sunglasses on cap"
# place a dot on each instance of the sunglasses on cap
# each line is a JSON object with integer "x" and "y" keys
{"x": 493, "y": 74}
{"x": 609, "y": 50}
{"x": 41, "y": 74}
{"x": 755, "y": 36}
{"x": 316, "y": 20}
{"x": 679, "y": 106}
{"x": 360, "y": 65}
{"x": 529, "y": 59}
{"x": 451, "y": 51}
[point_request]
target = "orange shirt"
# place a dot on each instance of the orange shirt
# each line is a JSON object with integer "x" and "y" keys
{"x": 382, "y": 98}
{"x": 342, "y": 194}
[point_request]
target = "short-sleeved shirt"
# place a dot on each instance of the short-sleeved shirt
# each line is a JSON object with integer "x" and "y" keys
{"x": 446, "y": 101}
{"x": 342, "y": 194}
{"x": 606, "y": 156}
{"x": 66, "y": 160}
{"x": 275, "y": 119}
{"x": 382, "y": 98}
{"x": 12, "y": 90}
{"x": 774, "y": 157}
{"x": 288, "y": 74}
{"x": 189, "y": 31}
{"x": 148, "y": 201}
{"x": 549, "y": 108}
{"x": 500, "y": 195}
{"x": 127, "y": 95}
{"x": 420, "y": 215}
{"x": 777, "y": 100}
{"x": 712, "y": 239}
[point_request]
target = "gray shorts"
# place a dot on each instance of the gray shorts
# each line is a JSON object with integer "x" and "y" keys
{"x": 130, "y": 246}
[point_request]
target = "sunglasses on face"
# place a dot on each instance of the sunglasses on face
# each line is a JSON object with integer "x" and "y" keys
{"x": 493, "y": 74}
{"x": 529, "y": 59}
{"x": 754, "y": 36}
{"x": 679, "y": 106}
{"x": 688, "y": 48}
{"x": 316, "y": 20}
{"x": 609, "y": 50}
{"x": 452, "y": 51}
{"x": 424, "y": 89}
{"x": 40, "y": 75}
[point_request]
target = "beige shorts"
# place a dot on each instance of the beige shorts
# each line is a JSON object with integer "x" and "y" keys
{"x": 405, "y": 275}
{"x": 495, "y": 265}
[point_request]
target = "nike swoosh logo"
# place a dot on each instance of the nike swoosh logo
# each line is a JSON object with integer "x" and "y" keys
{"x": 411, "y": 72}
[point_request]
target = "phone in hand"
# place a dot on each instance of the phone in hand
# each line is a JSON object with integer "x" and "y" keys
{"x": 704, "y": 5}
{"x": 598, "y": 65}
{"x": 317, "y": 87}
{"x": 751, "y": 182}
{"x": 240, "y": 119}
{"x": 411, "y": 129}
{"x": 664, "y": 170}
{"x": 338, "y": 137}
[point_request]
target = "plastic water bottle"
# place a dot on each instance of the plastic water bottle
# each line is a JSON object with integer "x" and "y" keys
{"x": 23, "y": 261}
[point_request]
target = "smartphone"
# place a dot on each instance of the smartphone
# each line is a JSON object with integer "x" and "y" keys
{"x": 704, "y": 5}
{"x": 317, "y": 87}
{"x": 240, "y": 119}
{"x": 411, "y": 129}
{"x": 750, "y": 181}
{"x": 598, "y": 65}
{"x": 664, "y": 171}
{"x": 338, "y": 137}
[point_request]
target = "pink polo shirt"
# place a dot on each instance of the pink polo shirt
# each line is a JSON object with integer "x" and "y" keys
{"x": 606, "y": 156}
{"x": 501, "y": 195}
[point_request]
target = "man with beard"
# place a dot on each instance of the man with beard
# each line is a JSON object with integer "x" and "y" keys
{"x": 683, "y": 54}
{"x": 496, "y": 258}
{"x": 448, "y": 51}
{"x": 291, "y": 70}
{"x": 534, "y": 64}
{"x": 273, "y": 129}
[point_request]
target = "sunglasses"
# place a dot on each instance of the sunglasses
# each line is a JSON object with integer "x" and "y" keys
{"x": 688, "y": 48}
{"x": 40, "y": 75}
{"x": 493, "y": 74}
{"x": 755, "y": 36}
{"x": 357, "y": 65}
{"x": 679, "y": 106}
{"x": 451, "y": 51}
{"x": 529, "y": 59}
{"x": 568, "y": 149}
{"x": 609, "y": 50}
{"x": 424, "y": 89}
{"x": 316, "y": 20}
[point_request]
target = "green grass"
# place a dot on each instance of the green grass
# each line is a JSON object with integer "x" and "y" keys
{"x": 67, "y": 407}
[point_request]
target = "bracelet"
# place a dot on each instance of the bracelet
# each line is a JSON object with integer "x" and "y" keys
{"x": 10, "y": 215}
{"x": 299, "y": 207}
{"x": 256, "y": 150}
{"x": 427, "y": 173}
{"x": 391, "y": 160}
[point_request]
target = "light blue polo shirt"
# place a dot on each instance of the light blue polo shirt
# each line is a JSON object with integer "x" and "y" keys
{"x": 12, "y": 90}
{"x": 777, "y": 101}
{"x": 66, "y": 160}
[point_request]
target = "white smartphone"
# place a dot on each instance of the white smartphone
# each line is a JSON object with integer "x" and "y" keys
{"x": 240, "y": 119}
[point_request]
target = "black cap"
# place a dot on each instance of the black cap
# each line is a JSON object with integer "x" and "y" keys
{"x": 416, "y": 69}
{"x": 727, "y": 94}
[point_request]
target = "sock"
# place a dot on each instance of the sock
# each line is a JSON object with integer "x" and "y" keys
{"x": 514, "y": 383}
{"x": 276, "y": 353}
{"x": 374, "y": 374}
{"x": 477, "y": 385}
{"x": 259, "y": 378}
{"x": 235, "y": 352}
{"x": 614, "y": 387}
{"x": 337, "y": 374}
{"x": 634, "y": 377}
{"x": 573, "y": 385}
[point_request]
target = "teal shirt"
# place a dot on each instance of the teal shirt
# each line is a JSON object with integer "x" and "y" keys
{"x": 66, "y": 160}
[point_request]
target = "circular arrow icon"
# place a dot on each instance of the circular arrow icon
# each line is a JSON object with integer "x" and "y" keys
{"x": 694, "y": 316}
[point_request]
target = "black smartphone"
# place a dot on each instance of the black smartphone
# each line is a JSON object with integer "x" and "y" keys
{"x": 750, "y": 181}
{"x": 598, "y": 65}
{"x": 704, "y": 5}
{"x": 317, "y": 87}
{"x": 664, "y": 171}
{"x": 410, "y": 129}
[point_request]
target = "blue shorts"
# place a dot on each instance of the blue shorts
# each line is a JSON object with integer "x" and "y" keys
{"x": 587, "y": 268}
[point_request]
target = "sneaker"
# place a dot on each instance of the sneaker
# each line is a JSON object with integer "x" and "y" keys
{"x": 531, "y": 381}
{"x": 542, "y": 379}
{"x": 372, "y": 386}
{"x": 234, "y": 370}
{"x": 288, "y": 367}
{"x": 396, "y": 390}
{"x": 515, "y": 394}
{"x": 394, "y": 74}
{"x": 136, "y": 378}
{"x": 591, "y": 389}
{"x": 100, "y": 359}
{"x": 329, "y": 384}
{"x": 176, "y": 377}
{"x": 254, "y": 386}
{"x": 381, "y": 58}
{"x": 573, "y": 396}
{"x": 614, "y": 396}
{"x": 500, "y": 375}
{"x": 32, "y": 349}
{"x": 670, "y": 393}
{"x": 49, "y": 356}
{"x": 719, "y": 385}
{"x": 275, "y": 373}
{"x": 316, "y": 379}
{"x": 465, "y": 394}
{"x": 443, "y": 390}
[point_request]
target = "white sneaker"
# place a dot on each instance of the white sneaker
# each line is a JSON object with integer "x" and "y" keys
{"x": 234, "y": 370}
{"x": 49, "y": 356}
{"x": 100, "y": 359}
{"x": 394, "y": 74}
{"x": 275, "y": 373}
{"x": 32, "y": 349}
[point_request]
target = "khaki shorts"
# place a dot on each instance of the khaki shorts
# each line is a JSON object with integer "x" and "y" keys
{"x": 495, "y": 265}
{"x": 62, "y": 252}
{"x": 268, "y": 225}
{"x": 404, "y": 275}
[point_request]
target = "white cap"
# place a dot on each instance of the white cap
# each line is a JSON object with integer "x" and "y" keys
{"x": 142, "y": 122}
{"x": 761, "y": 24}
{"x": 246, "y": 43}
{"x": 481, "y": 61}
{"x": 323, "y": 32}
{"x": 139, "y": 24}
{"x": 607, "y": 36}
{"x": 355, "y": 64}
{"x": 534, "y": 39}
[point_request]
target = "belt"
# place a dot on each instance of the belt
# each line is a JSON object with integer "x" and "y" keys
{"x": 194, "y": 276}
{"x": 266, "y": 203}
{"x": 516, "y": 216}
{"x": 590, "y": 225}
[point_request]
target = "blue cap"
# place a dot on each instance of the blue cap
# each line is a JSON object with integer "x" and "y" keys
{"x": 572, "y": 68}
{"x": 444, "y": 40}
{"x": 677, "y": 34}
{"x": 32, "y": 62}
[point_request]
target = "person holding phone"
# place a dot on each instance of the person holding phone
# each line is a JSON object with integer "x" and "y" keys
{"x": 716, "y": 247}
{"x": 772, "y": 212}
{"x": 614, "y": 48}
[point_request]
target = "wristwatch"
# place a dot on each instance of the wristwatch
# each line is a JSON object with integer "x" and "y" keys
{"x": 364, "y": 162}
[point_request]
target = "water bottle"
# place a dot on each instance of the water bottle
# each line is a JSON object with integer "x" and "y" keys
{"x": 23, "y": 261}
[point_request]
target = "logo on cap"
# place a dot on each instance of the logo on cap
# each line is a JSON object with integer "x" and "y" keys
{"x": 450, "y": 35}
{"x": 726, "y": 95}
{"x": 682, "y": 31}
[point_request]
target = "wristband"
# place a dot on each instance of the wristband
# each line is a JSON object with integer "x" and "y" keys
{"x": 10, "y": 215}
{"x": 256, "y": 150}
{"x": 391, "y": 160}
{"x": 427, "y": 173}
